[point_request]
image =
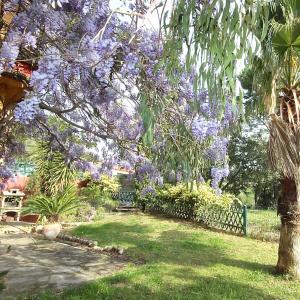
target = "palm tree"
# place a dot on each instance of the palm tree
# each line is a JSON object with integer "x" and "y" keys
{"x": 218, "y": 35}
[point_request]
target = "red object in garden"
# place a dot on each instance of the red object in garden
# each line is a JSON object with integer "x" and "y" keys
{"x": 17, "y": 182}
{"x": 24, "y": 69}
{"x": 33, "y": 218}
{"x": 14, "y": 84}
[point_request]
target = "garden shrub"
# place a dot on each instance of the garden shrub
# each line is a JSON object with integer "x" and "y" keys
{"x": 108, "y": 184}
{"x": 52, "y": 207}
{"x": 183, "y": 202}
{"x": 99, "y": 193}
{"x": 84, "y": 213}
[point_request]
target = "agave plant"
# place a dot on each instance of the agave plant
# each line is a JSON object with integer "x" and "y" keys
{"x": 52, "y": 207}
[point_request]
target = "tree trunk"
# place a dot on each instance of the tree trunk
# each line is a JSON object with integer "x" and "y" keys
{"x": 289, "y": 243}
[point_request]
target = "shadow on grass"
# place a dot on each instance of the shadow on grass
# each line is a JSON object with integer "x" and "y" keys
{"x": 170, "y": 246}
{"x": 179, "y": 264}
{"x": 198, "y": 288}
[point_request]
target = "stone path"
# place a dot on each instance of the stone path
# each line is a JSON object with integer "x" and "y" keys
{"x": 45, "y": 264}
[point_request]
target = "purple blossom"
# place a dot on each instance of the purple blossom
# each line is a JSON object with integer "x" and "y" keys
{"x": 27, "y": 110}
{"x": 147, "y": 171}
{"x": 218, "y": 173}
{"x": 5, "y": 172}
{"x": 83, "y": 165}
{"x": 217, "y": 152}
{"x": 125, "y": 165}
{"x": 130, "y": 66}
{"x": 148, "y": 191}
{"x": 11, "y": 46}
{"x": 203, "y": 128}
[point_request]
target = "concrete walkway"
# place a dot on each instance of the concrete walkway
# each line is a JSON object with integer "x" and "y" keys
{"x": 34, "y": 266}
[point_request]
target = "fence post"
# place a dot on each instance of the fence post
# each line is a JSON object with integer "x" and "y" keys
{"x": 245, "y": 219}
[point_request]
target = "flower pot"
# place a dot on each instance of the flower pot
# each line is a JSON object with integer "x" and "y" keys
{"x": 51, "y": 231}
{"x": 30, "y": 218}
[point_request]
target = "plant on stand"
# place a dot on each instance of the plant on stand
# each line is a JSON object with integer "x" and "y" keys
{"x": 51, "y": 208}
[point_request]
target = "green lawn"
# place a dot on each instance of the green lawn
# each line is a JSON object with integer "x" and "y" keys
{"x": 263, "y": 224}
{"x": 182, "y": 261}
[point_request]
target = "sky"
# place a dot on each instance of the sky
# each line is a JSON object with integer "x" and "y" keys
{"x": 151, "y": 17}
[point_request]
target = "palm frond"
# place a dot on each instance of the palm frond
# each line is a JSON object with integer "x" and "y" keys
{"x": 52, "y": 206}
{"x": 284, "y": 146}
{"x": 52, "y": 168}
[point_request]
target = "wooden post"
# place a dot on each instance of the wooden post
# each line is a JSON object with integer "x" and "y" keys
{"x": 245, "y": 219}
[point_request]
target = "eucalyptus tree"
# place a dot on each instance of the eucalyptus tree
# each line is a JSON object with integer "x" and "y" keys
{"x": 221, "y": 36}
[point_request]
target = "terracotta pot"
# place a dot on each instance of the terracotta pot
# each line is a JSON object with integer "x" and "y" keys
{"x": 32, "y": 218}
{"x": 51, "y": 231}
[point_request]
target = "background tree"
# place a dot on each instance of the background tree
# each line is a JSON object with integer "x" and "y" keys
{"x": 250, "y": 171}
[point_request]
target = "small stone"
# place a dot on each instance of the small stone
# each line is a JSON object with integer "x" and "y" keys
{"x": 108, "y": 248}
{"x": 97, "y": 248}
{"x": 39, "y": 229}
{"x": 121, "y": 251}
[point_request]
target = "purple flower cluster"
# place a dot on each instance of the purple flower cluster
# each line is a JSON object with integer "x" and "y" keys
{"x": 130, "y": 66}
{"x": 147, "y": 171}
{"x": 27, "y": 110}
{"x": 10, "y": 48}
{"x": 217, "y": 151}
{"x": 148, "y": 191}
{"x": 218, "y": 173}
{"x": 5, "y": 172}
{"x": 203, "y": 128}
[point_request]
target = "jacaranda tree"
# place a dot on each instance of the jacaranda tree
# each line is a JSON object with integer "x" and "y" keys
{"x": 90, "y": 82}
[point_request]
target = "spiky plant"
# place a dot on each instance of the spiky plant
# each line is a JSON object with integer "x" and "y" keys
{"x": 52, "y": 207}
{"x": 54, "y": 172}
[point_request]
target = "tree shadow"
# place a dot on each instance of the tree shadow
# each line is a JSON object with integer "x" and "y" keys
{"x": 178, "y": 250}
{"x": 171, "y": 246}
{"x": 31, "y": 267}
{"x": 199, "y": 288}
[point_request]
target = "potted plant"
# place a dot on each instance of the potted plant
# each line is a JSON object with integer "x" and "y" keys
{"x": 51, "y": 207}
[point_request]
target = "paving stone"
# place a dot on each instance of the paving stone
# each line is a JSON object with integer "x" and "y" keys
{"x": 37, "y": 264}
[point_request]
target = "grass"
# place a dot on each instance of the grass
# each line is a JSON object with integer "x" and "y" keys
{"x": 263, "y": 224}
{"x": 182, "y": 261}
